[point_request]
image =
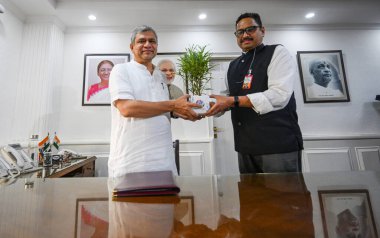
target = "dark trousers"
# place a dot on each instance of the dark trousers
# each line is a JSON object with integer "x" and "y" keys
{"x": 271, "y": 163}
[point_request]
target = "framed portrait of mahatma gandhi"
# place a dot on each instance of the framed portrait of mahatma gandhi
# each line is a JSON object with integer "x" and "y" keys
{"x": 347, "y": 213}
{"x": 323, "y": 77}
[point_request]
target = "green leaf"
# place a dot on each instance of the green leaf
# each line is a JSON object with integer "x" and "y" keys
{"x": 195, "y": 68}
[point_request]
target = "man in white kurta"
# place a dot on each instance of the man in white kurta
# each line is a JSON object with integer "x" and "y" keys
{"x": 144, "y": 141}
{"x": 140, "y": 108}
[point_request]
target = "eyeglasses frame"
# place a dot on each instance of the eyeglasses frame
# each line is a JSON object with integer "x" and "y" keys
{"x": 253, "y": 29}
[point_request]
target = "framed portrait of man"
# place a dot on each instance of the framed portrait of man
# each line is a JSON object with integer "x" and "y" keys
{"x": 163, "y": 59}
{"x": 347, "y": 213}
{"x": 323, "y": 77}
{"x": 97, "y": 69}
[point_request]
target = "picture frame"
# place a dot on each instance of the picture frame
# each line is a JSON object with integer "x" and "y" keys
{"x": 178, "y": 81}
{"x": 91, "y": 217}
{"x": 95, "y": 85}
{"x": 184, "y": 210}
{"x": 323, "y": 77}
{"x": 174, "y": 57}
{"x": 346, "y": 213}
{"x": 92, "y": 214}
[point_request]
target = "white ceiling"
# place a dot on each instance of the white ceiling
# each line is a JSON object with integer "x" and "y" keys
{"x": 177, "y": 13}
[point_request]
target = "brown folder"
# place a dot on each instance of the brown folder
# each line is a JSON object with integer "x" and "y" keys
{"x": 155, "y": 183}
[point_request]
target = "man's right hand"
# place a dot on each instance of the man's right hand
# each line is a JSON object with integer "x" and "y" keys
{"x": 184, "y": 109}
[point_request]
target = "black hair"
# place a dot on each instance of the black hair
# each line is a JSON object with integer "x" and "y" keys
{"x": 254, "y": 16}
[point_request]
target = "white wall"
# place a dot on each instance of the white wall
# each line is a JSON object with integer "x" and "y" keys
{"x": 361, "y": 54}
{"x": 10, "y": 45}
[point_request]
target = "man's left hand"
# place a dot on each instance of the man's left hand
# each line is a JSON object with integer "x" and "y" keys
{"x": 222, "y": 104}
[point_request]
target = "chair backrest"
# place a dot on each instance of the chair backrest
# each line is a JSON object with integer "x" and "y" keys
{"x": 176, "y": 154}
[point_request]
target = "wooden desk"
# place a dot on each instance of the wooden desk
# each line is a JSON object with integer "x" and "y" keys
{"x": 84, "y": 167}
{"x": 267, "y": 205}
{"x": 80, "y": 167}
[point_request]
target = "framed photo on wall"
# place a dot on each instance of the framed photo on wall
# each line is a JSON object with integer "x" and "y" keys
{"x": 217, "y": 57}
{"x": 347, "y": 213}
{"x": 323, "y": 78}
{"x": 97, "y": 69}
{"x": 173, "y": 57}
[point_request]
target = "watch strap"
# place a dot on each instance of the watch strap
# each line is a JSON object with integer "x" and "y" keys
{"x": 236, "y": 101}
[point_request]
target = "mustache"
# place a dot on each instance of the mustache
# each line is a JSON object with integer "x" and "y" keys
{"x": 246, "y": 38}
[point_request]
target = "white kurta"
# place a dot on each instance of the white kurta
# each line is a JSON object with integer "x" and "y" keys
{"x": 139, "y": 144}
{"x": 317, "y": 91}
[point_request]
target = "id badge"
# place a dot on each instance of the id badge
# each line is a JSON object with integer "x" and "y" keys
{"x": 247, "y": 81}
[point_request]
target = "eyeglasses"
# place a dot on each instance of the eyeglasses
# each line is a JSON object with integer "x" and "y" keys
{"x": 248, "y": 30}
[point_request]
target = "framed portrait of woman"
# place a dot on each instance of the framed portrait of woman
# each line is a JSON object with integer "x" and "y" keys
{"x": 97, "y": 70}
{"x": 91, "y": 217}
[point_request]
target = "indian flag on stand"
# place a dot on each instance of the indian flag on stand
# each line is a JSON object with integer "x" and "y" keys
{"x": 56, "y": 141}
{"x": 45, "y": 144}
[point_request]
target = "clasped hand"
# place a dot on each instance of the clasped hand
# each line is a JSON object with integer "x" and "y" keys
{"x": 184, "y": 109}
{"x": 220, "y": 106}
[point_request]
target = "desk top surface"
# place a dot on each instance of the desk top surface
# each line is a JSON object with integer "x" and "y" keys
{"x": 60, "y": 169}
{"x": 266, "y": 205}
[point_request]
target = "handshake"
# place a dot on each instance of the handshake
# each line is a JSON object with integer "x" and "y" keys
{"x": 194, "y": 108}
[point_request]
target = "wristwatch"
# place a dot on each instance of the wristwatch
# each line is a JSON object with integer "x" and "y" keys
{"x": 236, "y": 101}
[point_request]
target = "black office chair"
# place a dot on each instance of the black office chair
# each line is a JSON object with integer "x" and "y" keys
{"x": 176, "y": 154}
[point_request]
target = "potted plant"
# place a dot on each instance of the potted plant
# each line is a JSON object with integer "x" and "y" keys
{"x": 195, "y": 69}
